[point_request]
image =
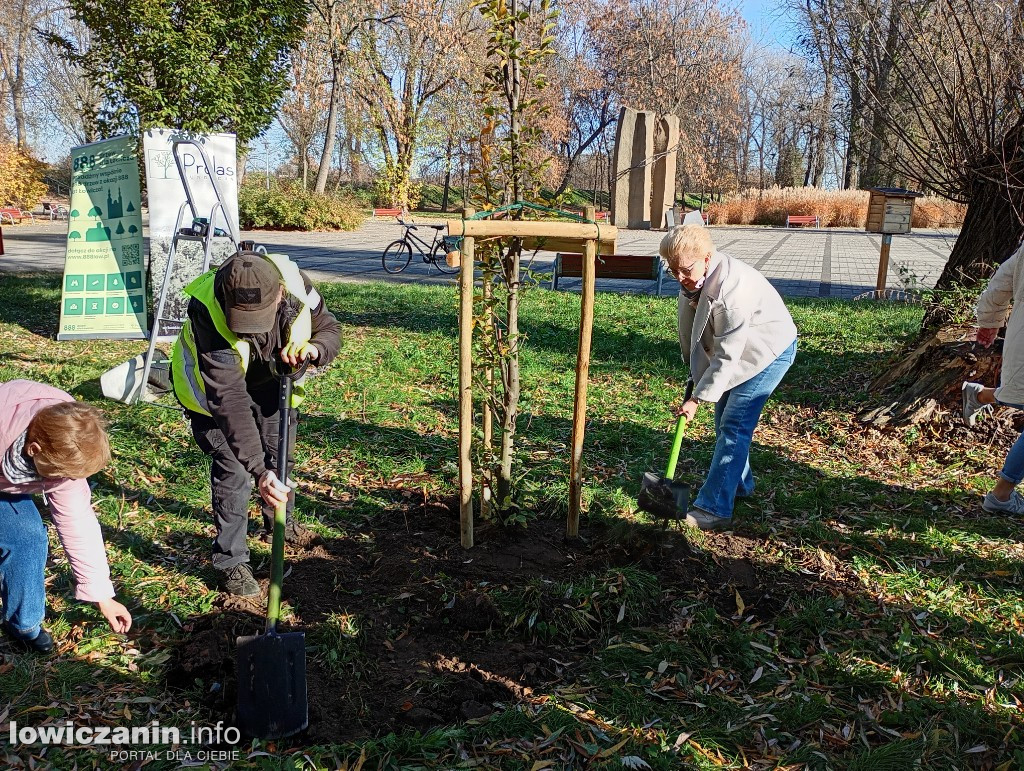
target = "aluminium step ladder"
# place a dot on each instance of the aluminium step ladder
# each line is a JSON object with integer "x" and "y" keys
{"x": 202, "y": 231}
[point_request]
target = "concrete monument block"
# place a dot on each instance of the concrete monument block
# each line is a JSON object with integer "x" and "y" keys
{"x": 666, "y": 140}
{"x": 635, "y": 169}
{"x": 641, "y": 172}
{"x": 622, "y": 160}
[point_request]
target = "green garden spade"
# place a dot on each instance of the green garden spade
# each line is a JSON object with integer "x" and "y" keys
{"x": 271, "y": 667}
{"x": 662, "y": 496}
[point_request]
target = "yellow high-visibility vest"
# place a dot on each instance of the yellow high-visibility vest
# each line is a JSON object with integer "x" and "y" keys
{"x": 188, "y": 381}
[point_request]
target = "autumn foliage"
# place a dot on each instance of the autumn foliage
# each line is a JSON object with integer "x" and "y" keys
{"x": 835, "y": 208}
{"x": 21, "y": 181}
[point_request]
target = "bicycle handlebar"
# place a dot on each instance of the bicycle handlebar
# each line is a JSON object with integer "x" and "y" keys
{"x": 405, "y": 224}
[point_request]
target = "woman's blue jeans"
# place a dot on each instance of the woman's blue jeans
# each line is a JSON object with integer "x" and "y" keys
{"x": 23, "y": 548}
{"x": 736, "y": 417}
{"x": 1013, "y": 466}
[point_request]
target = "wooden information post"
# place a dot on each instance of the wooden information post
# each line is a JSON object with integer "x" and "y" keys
{"x": 593, "y": 238}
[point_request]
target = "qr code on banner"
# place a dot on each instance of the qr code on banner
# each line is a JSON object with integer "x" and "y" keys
{"x": 130, "y": 255}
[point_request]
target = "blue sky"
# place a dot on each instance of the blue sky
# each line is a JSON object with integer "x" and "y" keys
{"x": 767, "y": 23}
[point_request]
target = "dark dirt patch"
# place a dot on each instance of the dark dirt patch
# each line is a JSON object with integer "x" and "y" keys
{"x": 425, "y": 643}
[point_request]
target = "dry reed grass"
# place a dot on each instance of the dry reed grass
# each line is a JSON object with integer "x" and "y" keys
{"x": 835, "y": 208}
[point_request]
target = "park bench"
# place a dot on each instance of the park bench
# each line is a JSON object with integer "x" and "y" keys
{"x": 13, "y": 213}
{"x": 601, "y": 216}
{"x": 621, "y": 266}
{"x": 673, "y": 217}
{"x": 387, "y": 213}
{"x": 55, "y": 211}
{"x": 793, "y": 220}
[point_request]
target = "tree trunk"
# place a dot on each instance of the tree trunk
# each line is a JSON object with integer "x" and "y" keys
{"x": 447, "y": 176}
{"x": 926, "y": 382}
{"x": 385, "y": 143}
{"x": 331, "y": 132}
{"x": 341, "y": 141}
{"x": 824, "y": 123}
{"x": 812, "y": 149}
{"x": 510, "y": 412}
{"x": 513, "y": 91}
{"x": 882, "y": 103}
{"x": 991, "y": 232}
{"x": 356, "y": 160}
{"x": 20, "y": 120}
{"x": 851, "y": 174}
{"x": 403, "y": 176}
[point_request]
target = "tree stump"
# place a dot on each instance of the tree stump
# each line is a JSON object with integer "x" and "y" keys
{"x": 926, "y": 382}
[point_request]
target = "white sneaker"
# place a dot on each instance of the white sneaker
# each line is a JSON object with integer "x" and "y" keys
{"x": 1013, "y": 506}
{"x": 971, "y": 404}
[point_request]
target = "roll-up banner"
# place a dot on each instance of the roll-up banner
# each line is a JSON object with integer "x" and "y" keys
{"x": 104, "y": 288}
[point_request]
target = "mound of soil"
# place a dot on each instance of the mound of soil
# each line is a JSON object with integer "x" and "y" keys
{"x": 425, "y": 644}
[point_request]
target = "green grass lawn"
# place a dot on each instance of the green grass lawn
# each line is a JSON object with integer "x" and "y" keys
{"x": 865, "y": 614}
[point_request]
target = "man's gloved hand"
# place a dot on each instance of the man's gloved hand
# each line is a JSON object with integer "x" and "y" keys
{"x": 294, "y": 353}
{"x": 272, "y": 490}
{"x": 986, "y": 336}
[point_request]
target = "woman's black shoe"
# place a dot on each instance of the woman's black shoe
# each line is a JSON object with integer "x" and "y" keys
{"x": 41, "y": 643}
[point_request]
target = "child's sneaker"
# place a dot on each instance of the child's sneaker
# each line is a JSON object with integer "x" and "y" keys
{"x": 971, "y": 404}
{"x": 1013, "y": 506}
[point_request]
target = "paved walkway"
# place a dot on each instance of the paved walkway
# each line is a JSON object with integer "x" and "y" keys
{"x": 800, "y": 263}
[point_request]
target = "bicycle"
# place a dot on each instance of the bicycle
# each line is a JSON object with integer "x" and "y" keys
{"x": 398, "y": 255}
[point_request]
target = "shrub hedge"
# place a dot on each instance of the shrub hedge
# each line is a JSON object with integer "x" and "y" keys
{"x": 286, "y": 206}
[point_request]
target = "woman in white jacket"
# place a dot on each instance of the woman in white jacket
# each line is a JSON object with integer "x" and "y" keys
{"x": 738, "y": 339}
{"x": 993, "y": 311}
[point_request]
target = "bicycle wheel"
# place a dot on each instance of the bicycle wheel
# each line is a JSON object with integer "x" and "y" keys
{"x": 438, "y": 258}
{"x": 396, "y": 257}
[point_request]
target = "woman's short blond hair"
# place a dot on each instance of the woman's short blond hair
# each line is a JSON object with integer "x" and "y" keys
{"x": 685, "y": 244}
{"x": 72, "y": 440}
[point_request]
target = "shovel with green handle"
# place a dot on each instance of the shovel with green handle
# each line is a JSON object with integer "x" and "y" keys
{"x": 662, "y": 496}
{"x": 271, "y": 667}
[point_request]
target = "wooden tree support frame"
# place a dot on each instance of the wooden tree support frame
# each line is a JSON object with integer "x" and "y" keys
{"x": 592, "y": 238}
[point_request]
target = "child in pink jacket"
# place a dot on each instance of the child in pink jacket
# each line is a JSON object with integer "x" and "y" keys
{"x": 49, "y": 444}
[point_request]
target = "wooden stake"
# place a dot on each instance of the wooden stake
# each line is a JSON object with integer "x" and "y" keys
{"x": 466, "y": 390}
{"x": 883, "y": 262}
{"x": 579, "y": 413}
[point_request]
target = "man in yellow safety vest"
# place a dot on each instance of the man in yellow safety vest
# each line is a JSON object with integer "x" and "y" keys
{"x": 251, "y": 310}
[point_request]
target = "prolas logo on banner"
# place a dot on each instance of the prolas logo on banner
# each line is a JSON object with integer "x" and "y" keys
{"x": 194, "y": 166}
{"x": 164, "y": 167}
{"x": 167, "y": 194}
